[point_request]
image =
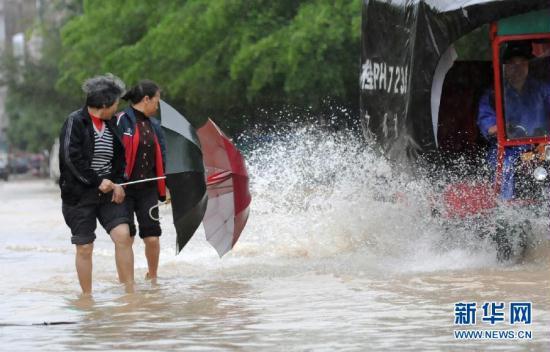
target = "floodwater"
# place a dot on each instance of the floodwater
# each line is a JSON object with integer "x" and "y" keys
{"x": 331, "y": 260}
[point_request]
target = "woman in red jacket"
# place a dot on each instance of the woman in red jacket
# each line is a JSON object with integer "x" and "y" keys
{"x": 144, "y": 149}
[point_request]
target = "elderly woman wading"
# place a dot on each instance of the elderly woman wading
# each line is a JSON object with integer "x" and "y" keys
{"x": 92, "y": 162}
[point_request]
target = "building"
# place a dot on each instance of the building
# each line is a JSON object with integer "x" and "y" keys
{"x": 16, "y": 17}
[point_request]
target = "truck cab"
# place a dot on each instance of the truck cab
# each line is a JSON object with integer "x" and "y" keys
{"x": 521, "y": 52}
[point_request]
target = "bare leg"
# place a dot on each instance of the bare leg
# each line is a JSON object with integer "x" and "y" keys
{"x": 83, "y": 262}
{"x": 124, "y": 254}
{"x": 152, "y": 253}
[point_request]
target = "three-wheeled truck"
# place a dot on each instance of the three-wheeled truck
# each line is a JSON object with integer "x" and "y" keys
{"x": 431, "y": 69}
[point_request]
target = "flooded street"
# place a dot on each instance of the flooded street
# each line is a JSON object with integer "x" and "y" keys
{"x": 323, "y": 266}
{"x": 375, "y": 175}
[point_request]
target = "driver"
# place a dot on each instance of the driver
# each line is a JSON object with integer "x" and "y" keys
{"x": 526, "y": 109}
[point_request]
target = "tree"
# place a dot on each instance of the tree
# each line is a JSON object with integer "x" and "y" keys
{"x": 233, "y": 60}
{"x": 221, "y": 58}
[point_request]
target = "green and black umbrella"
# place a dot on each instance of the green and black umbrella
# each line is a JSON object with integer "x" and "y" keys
{"x": 185, "y": 174}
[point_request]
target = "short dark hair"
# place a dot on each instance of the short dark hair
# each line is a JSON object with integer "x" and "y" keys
{"x": 142, "y": 89}
{"x": 519, "y": 48}
{"x": 103, "y": 91}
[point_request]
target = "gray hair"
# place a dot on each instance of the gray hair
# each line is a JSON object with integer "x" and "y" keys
{"x": 103, "y": 91}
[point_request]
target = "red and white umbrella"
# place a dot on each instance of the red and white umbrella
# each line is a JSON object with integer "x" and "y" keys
{"x": 227, "y": 187}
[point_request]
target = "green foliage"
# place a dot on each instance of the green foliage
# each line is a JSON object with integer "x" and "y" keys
{"x": 35, "y": 110}
{"x": 221, "y": 58}
{"x": 227, "y": 59}
{"x": 106, "y": 28}
{"x": 475, "y": 45}
{"x": 33, "y": 127}
{"x": 309, "y": 58}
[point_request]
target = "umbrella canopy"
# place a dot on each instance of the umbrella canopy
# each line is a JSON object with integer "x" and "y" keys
{"x": 184, "y": 174}
{"x": 227, "y": 187}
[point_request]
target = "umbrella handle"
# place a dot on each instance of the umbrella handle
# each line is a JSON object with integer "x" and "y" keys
{"x": 168, "y": 201}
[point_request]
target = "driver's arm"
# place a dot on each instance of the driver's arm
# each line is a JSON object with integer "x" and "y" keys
{"x": 486, "y": 117}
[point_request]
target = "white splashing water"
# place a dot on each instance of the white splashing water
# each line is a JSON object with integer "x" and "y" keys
{"x": 319, "y": 194}
{"x": 319, "y": 199}
{"x": 340, "y": 252}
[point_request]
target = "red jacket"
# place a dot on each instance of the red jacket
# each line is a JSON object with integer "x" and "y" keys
{"x": 126, "y": 123}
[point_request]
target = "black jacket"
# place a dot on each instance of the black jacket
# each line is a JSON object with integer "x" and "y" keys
{"x": 76, "y": 151}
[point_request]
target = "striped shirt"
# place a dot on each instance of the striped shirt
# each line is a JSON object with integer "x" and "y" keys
{"x": 103, "y": 151}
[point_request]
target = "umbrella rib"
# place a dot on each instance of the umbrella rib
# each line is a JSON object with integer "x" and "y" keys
{"x": 211, "y": 186}
{"x": 216, "y": 179}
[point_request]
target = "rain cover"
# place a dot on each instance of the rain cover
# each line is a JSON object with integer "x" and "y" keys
{"x": 402, "y": 43}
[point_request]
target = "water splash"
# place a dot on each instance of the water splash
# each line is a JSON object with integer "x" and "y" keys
{"x": 320, "y": 193}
